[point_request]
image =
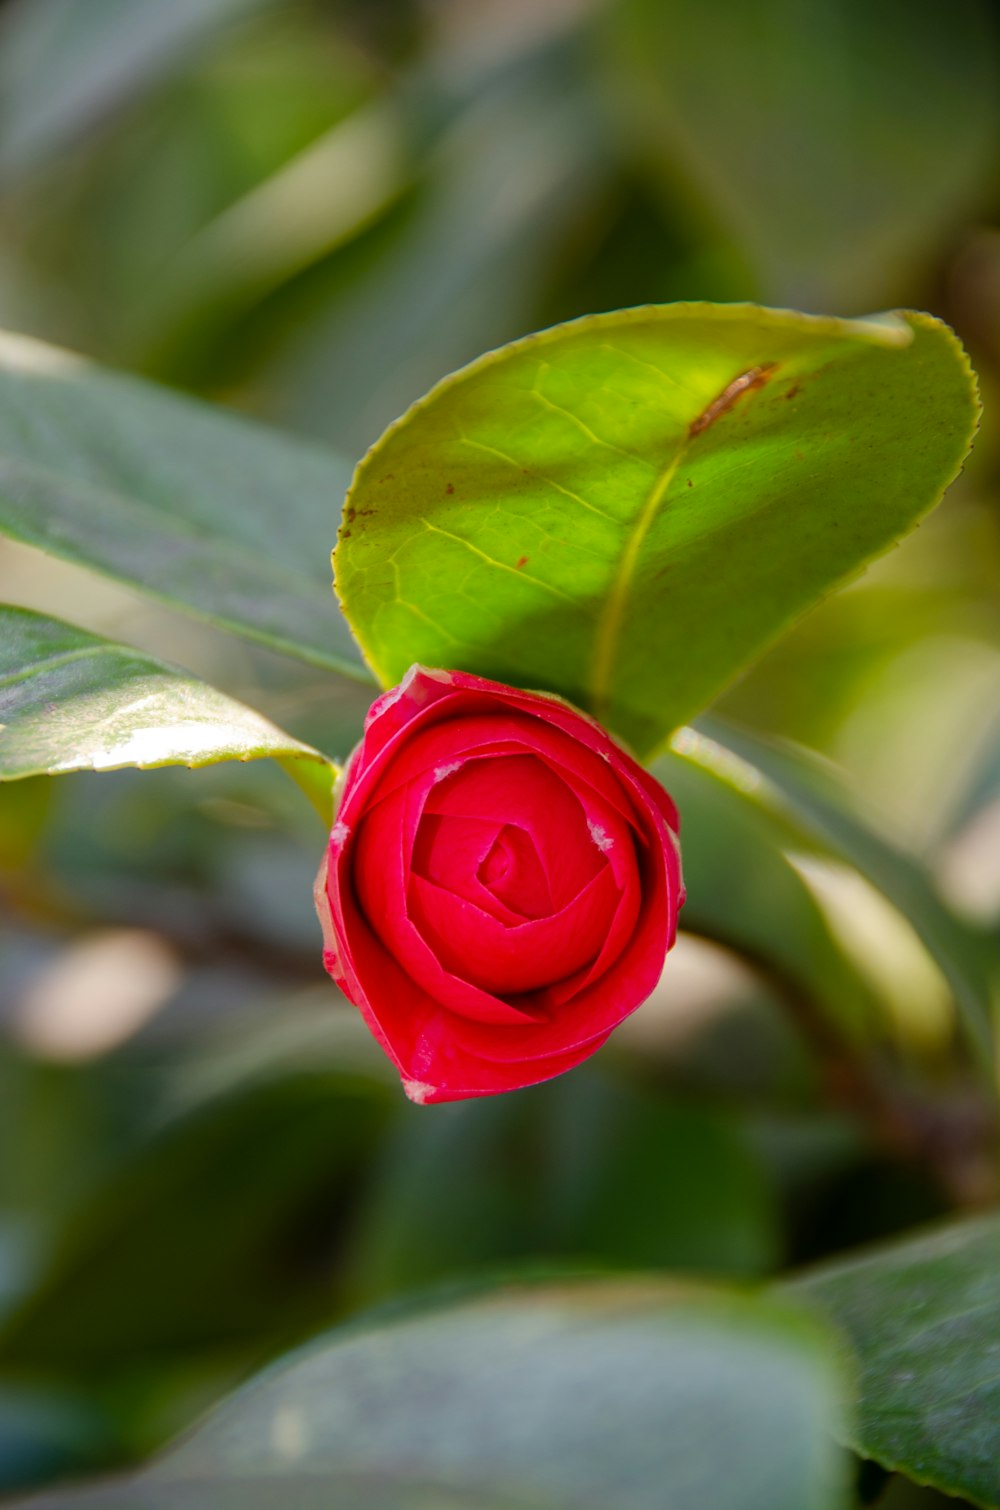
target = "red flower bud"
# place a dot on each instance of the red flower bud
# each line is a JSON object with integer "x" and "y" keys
{"x": 501, "y": 885}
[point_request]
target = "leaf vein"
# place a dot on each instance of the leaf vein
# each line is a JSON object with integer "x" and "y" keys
{"x": 522, "y": 576}
{"x": 66, "y": 658}
{"x": 543, "y": 478}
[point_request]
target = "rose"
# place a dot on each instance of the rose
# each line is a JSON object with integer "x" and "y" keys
{"x": 501, "y": 885}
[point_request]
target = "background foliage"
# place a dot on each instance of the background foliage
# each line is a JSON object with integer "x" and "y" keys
{"x": 310, "y": 212}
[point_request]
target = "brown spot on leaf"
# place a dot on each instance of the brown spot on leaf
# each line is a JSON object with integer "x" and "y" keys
{"x": 747, "y": 382}
{"x": 690, "y": 483}
{"x": 794, "y": 391}
{"x": 450, "y": 488}
{"x": 523, "y": 561}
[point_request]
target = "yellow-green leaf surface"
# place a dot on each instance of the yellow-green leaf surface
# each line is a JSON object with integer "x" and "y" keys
{"x": 627, "y": 509}
{"x": 71, "y": 701}
{"x": 199, "y": 508}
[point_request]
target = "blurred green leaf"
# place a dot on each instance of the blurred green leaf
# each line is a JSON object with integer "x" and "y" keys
{"x": 923, "y": 1318}
{"x": 458, "y": 1190}
{"x": 71, "y": 701}
{"x": 744, "y": 893}
{"x": 791, "y": 782}
{"x": 575, "y": 1398}
{"x": 837, "y": 142}
{"x": 212, "y": 1234}
{"x": 706, "y": 1204}
{"x": 44, "y": 1434}
{"x": 509, "y": 165}
{"x": 22, "y": 816}
{"x": 629, "y": 508}
{"x": 64, "y": 64}
{"x": 208, "y": 512}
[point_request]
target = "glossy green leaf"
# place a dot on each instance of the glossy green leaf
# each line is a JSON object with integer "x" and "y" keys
{"x": 791, "y": 782}
{"x": 629, "y": 508}
{"x": 923, "y": 1319}
{"x": 834, "y": 141}
{"x": 203, "y": 510}
{"x": 573, "y": 1398}
{"x": 72, "y": 701}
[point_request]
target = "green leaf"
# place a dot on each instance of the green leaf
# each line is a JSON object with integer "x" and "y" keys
{"x": 895, "y": 112}
{"x": 194, "y": 1244}
{"x": 71, "y": 701}
{"x": 528, "y": 139}
{"x": 745, "y": 894}
{"x": 574, "y": 1398}
{"x": 45, "y": 1434}
{"x": 208, "y": 512}
{"x": 923, "y": 1319}
{"x": 447, "y": 1195}
{"x": 627, "y": 509}
{"x": 791, "y": 782}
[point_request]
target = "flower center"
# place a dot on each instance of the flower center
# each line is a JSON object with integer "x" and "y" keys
{"x": 513, "y": 873}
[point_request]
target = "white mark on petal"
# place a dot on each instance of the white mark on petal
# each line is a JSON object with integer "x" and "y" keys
{"x": 441, "y": 771}
{"x": 418, "y": 1091}
{"x": 339, "y": 834}
{"x": 600, "y": 836}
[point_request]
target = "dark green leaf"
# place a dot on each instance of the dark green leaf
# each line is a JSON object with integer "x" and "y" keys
{"x": 44, "y": 1434}
{"x": 206, "y": 511}
{"x": 634, "y": 1395}
{"x": 629, "y": 508}
{"x": 923, "y": 1318}
{"x": 71, "y": 701}
{"x": 451, "y": 1192}
{"x": 203, "y": 1238}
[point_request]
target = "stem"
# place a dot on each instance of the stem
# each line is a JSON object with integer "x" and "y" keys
{"x": 315, "y": 776}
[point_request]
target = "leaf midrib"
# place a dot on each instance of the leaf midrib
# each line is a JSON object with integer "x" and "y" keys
{"x": 68, "y": 657}
{"x": 609, "y": 624}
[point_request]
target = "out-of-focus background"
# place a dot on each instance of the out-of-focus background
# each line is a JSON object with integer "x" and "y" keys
{"x": 311, "y": 210}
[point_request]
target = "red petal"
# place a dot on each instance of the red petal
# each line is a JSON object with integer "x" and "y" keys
{"x": 513, "y": 875}
{"x": 524, "y": 791}
{"x": 505, "y": 961}
{"x": 382, "y": 877}
{"x": 452, "y": 852}
{"x": 461, "y": 1078}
